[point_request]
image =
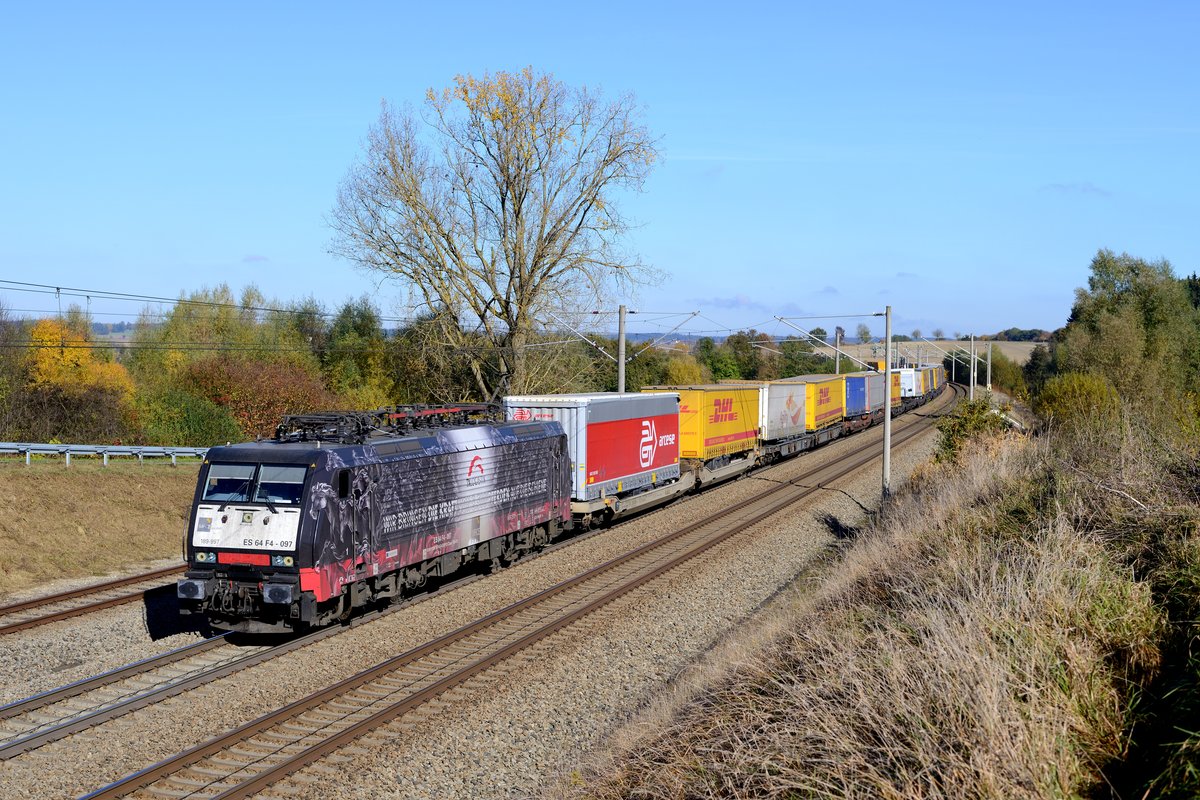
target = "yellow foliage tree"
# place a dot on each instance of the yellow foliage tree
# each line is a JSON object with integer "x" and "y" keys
{"x": 683, "y": 370}
{"x": 63, "y": 359}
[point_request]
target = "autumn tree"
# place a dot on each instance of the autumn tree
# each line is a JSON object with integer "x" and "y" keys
{"x": 61, "y": 358}
{"x": 72, "y": 390}
{"x": 256, "y": 394}
{"x": 12, "y": 374}
{"x": 311, "y": 324}
{"x": 356, "y": 361}
{"x": 497, "y": 203}
{"x": 683, "y": 370}
{"x": 429, "y": 369}
{"x": 1135, "y": 325}
{"x": 745, "y": 356}
{"x": 863, "y": 331}
{"x": 799, "y": 358}
{"x": 211, "y": 321}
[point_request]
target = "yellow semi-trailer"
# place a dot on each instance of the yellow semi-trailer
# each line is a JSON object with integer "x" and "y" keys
{"x": 897, "y": 391}
{"x": 715, "y": 420}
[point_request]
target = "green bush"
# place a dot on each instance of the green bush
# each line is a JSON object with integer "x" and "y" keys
{"x": 177, "y": 417}
{"x": 971, "y": 419}
{"x": 1075, "y": 398}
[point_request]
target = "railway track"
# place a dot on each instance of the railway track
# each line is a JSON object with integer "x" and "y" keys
{"x": 55, "y": 714}
{"x": 266, "y": 750}
{"x": 76, "y": 602}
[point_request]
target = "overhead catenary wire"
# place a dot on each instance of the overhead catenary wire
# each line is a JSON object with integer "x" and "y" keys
{"x": 71, "y": 291}
{"x": 650, "y": 318}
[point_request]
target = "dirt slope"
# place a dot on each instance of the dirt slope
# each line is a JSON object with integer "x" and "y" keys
{"x": 58, "y": 521}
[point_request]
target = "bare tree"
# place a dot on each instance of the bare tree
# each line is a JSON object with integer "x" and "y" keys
{"x": 863, "y": 331}
{"x": 495, "y": 204}
{"x": 916, "y": 333}
{"x": 938, "y": 333}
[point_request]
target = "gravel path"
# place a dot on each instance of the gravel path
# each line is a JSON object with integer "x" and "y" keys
{"x": 536, "y": 721}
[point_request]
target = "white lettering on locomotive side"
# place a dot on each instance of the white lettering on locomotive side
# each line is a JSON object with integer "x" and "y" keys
{"x": 449, "y": 509}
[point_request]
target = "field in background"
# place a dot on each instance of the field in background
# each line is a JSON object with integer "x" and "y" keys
{"x": 86, "y": 519}
{"x": 1016, "y": 351}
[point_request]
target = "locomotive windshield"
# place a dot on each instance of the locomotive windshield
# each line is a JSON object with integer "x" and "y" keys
{"x": 254, "y": 483}
{"x": 279, "y": 484}
{"x": 229, "y": 483}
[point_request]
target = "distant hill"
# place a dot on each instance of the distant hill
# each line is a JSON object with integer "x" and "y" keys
{"x": 1022, "y": 335}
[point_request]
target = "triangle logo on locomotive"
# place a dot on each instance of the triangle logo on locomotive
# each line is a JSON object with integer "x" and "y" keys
{"x": 475, "y": 471}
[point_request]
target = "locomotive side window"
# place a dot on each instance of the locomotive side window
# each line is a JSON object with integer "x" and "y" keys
{"x": 280, "y": 484}
{"x": 343, "y": 483}
{"x": 229, "y": 483}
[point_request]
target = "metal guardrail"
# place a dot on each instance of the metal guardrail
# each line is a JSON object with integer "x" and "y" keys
{"x": 29, "y": 449}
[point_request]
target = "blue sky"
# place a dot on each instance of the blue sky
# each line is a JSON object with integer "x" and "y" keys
{"x": 962, "y": 162}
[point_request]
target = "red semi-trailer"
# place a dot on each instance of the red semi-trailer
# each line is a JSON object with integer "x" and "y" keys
{"x": 624, "y": 448}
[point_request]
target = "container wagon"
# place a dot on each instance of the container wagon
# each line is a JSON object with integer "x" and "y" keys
{"x": 623, "y": 448}
{"x": 824, "y": 403}
{"x": 864, "y": 400}
{"x": 718, "y": 429}
{"x": 781, "y": 417}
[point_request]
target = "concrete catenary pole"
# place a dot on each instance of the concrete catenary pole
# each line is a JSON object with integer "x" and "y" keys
{"x": 989, "y": 370}
{"x": 621, "y": 349}
{"x": 887, "y": 403}
{"x": 971, "y": 391}
{"x": 837, "y": 351}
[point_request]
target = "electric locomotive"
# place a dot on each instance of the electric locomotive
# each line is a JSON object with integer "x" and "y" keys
{"x": 340, "y": 510}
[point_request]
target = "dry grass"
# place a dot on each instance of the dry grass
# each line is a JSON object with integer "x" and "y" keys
{"x": 973, "y": 644}
{"x": 86, "y": 519}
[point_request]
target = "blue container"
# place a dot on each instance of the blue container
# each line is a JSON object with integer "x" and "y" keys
{"x": 856, "y": 395}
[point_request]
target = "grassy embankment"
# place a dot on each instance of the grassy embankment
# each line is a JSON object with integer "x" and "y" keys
{"x": 1016, "y": 624}
{"x": 86, "y": 519}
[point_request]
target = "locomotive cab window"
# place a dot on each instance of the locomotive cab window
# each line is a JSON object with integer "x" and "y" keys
{"x": 343, "y": 483}
{"x": 229, "y": 483}
{"x": 278, "y": 484}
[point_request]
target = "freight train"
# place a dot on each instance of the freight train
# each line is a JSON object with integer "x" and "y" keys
{"x": 343, "y": 510}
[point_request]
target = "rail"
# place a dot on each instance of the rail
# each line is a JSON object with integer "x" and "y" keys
{"x": 29, "y": 449}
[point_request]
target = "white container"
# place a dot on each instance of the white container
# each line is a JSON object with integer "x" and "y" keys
{"x": 617, "y": 442}
{"x": 780, "y": 408}
{"x": 910, "y": 382}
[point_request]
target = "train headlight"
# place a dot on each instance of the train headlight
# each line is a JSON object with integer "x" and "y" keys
{"x": 206, "y": 558}
{"x": 282, "y": 561}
